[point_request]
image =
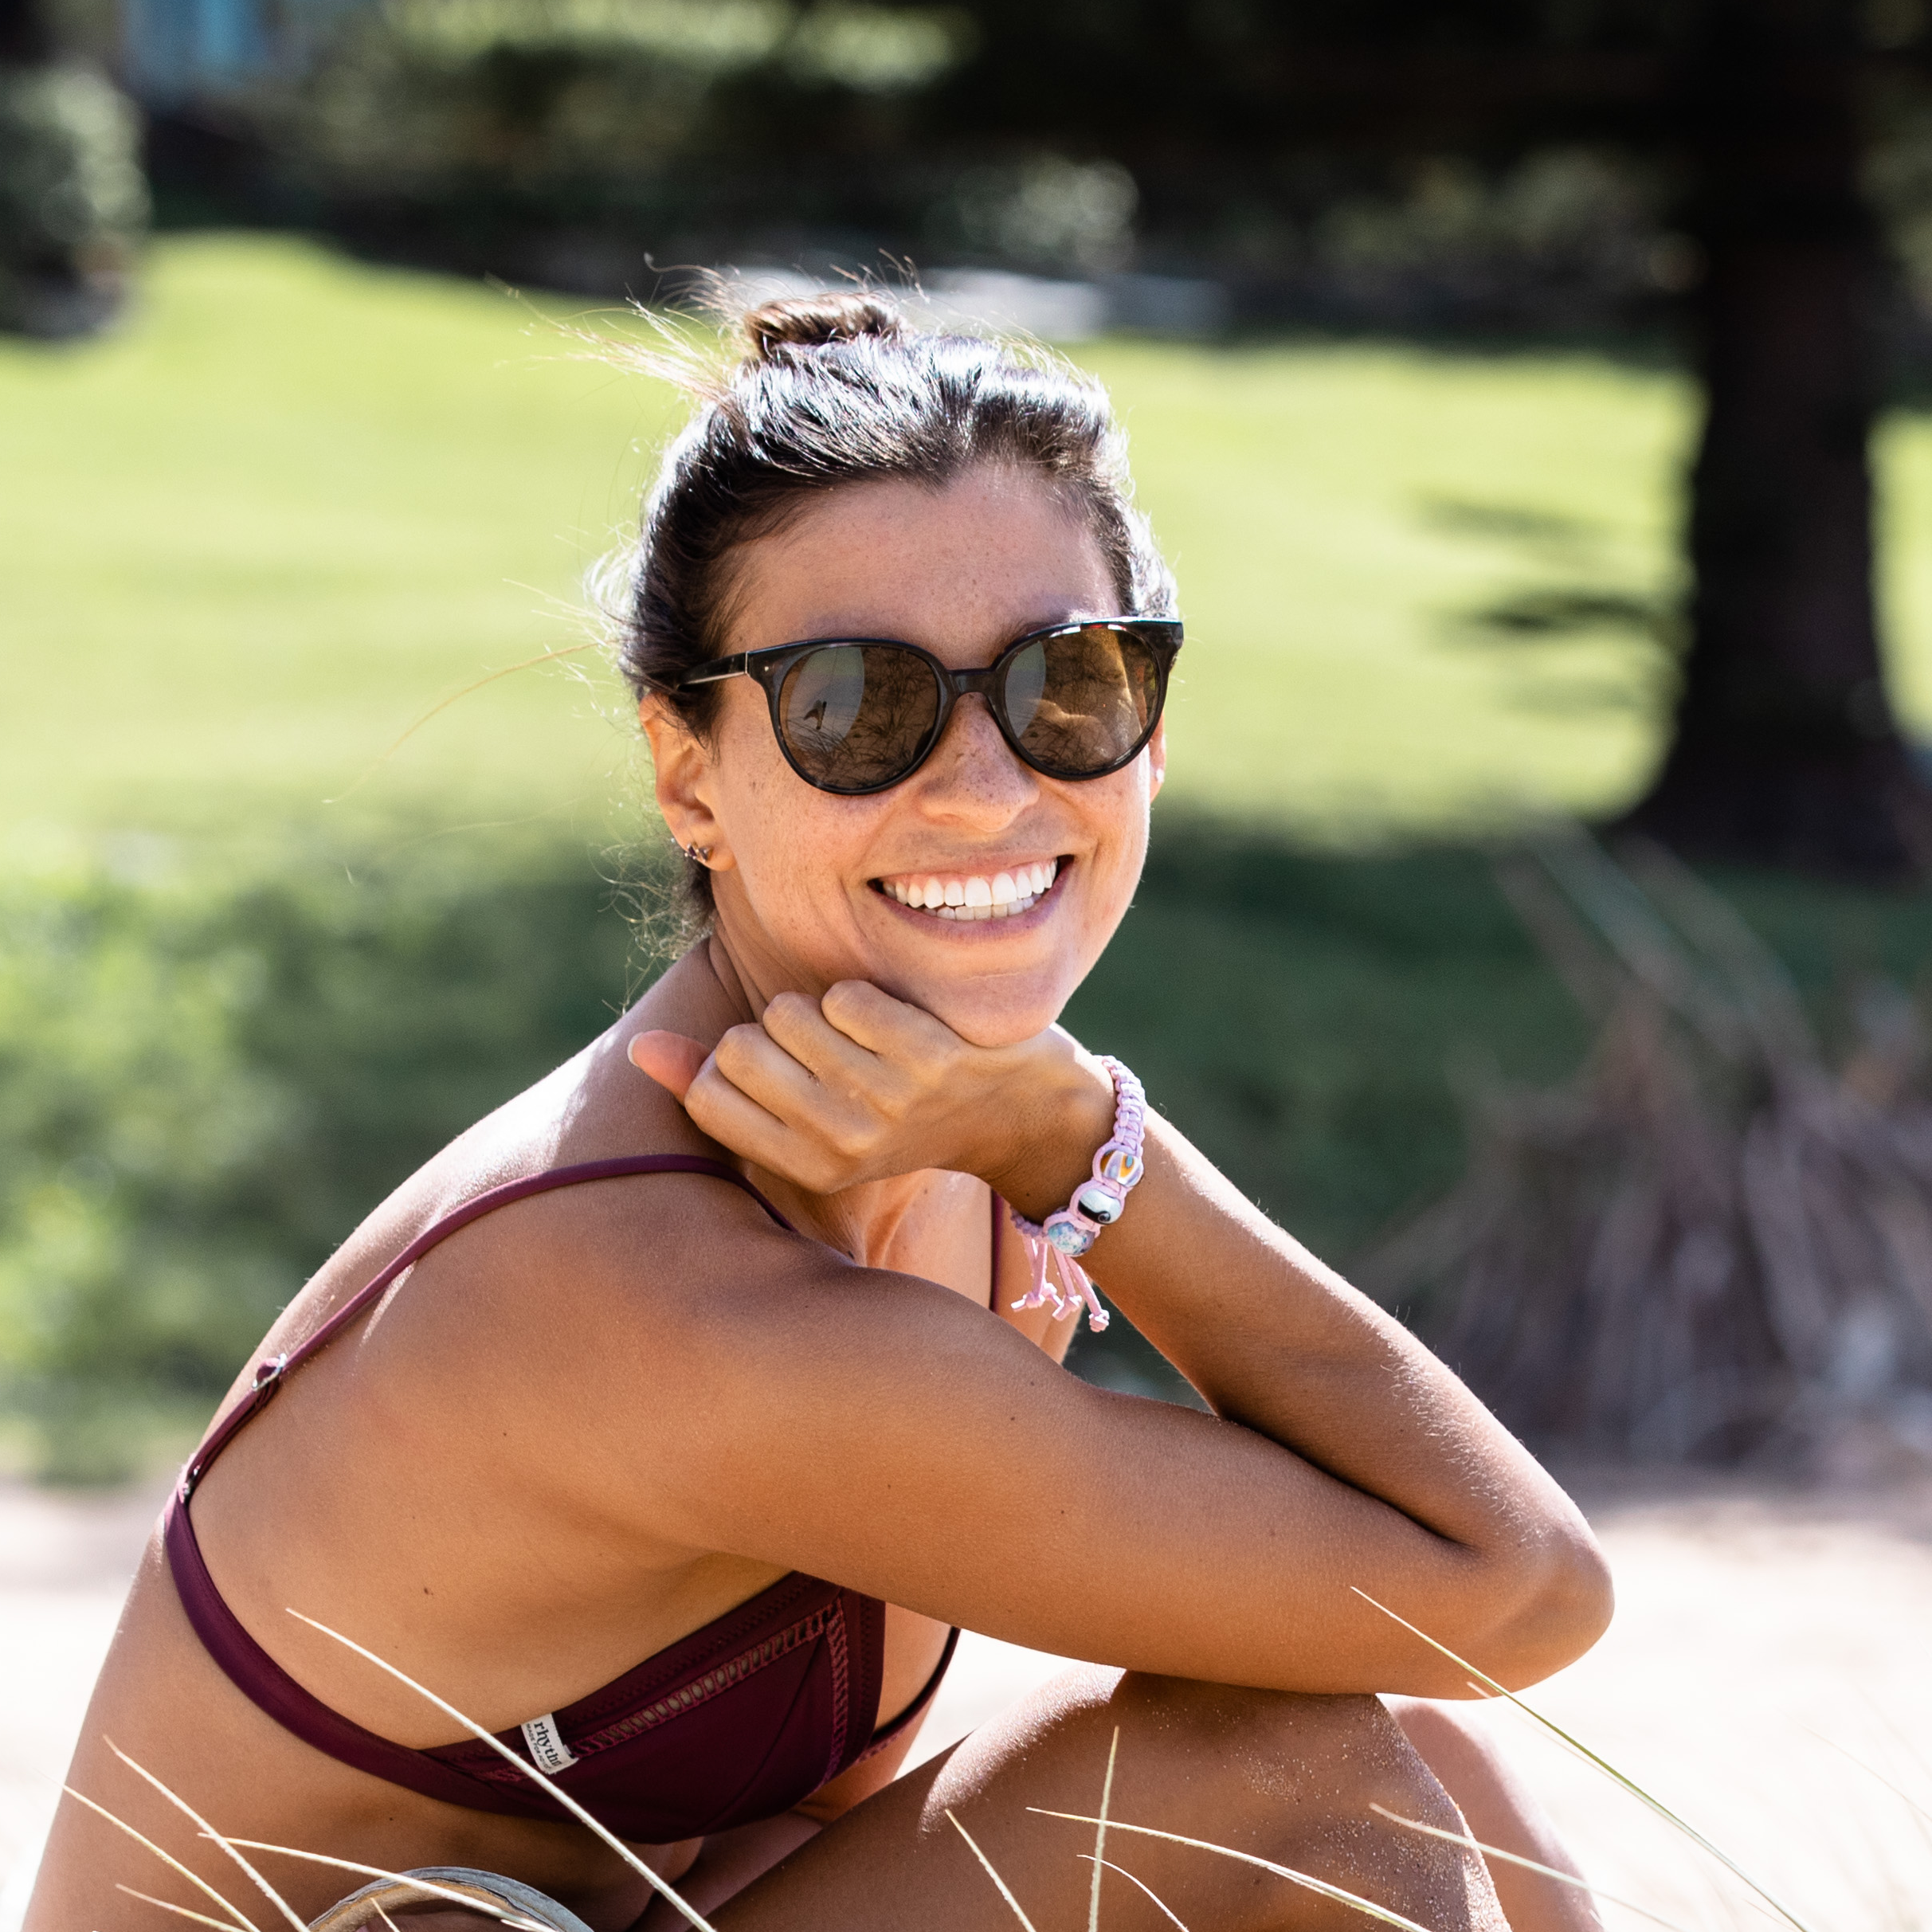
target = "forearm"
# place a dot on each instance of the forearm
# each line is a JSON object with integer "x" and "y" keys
{"x": 1277, "y": 1342}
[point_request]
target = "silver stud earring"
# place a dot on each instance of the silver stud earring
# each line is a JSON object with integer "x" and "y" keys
{"x": 698, "y": 855}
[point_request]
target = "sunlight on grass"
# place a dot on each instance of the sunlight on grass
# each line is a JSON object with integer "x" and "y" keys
{"x": 295, "y": 503}
{"x": 298, "y": 500}
{"x": 1343, "y": 518}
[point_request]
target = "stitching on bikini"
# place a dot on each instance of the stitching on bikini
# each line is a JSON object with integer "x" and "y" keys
{"x": 841, "y": 1703}
{"x": 701, "y": 1690}
{"x": 617, "y": 1700}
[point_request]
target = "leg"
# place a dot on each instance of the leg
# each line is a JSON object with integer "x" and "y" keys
{"x": 1287, "y": 1778}
{"x": 1500, "y": 1811}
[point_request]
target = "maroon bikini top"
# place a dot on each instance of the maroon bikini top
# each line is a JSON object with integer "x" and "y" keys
{"x": 737, "y": 1722}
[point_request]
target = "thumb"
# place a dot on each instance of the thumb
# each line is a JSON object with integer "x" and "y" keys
{"x": 670, "y": 1059}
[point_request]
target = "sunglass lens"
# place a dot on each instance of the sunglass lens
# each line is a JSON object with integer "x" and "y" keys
{"x": 1083, "y": 701}
{"x": 856, "y": 716}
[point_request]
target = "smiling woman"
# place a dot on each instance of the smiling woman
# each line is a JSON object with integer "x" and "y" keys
{"x": 733, "y": 1368}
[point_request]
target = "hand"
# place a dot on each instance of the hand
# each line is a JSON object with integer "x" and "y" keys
{"x": 859, "y": 1085}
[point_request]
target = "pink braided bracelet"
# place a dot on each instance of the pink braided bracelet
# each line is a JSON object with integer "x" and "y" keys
{"x": 1097, "y": 1204}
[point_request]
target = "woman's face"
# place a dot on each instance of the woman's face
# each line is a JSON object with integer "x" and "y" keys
{"x": 804, "y": 880}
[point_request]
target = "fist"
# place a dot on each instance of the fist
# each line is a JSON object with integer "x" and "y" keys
{"x": 858, "y": 1087}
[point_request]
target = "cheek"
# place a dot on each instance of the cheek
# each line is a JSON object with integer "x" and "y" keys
{"x": 795, "y": 847}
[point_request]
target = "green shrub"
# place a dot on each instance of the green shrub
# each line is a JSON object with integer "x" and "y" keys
{"x": 208, "y": 1077}
{"x": 72, "y": 198}
{"x": 622, "y": 115}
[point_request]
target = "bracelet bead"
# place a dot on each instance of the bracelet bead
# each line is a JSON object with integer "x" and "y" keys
{"x": 1068, "y": 1232}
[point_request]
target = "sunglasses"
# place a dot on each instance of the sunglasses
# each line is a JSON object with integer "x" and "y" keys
{"x": 858, "y": 714}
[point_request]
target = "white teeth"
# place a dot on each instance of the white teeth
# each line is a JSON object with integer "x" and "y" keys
{"x": 1002, "y": 896}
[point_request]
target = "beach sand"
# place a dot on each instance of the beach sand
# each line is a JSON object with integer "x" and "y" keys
{"x": 1765, "y": 1639}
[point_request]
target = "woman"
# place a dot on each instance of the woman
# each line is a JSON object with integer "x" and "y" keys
{"x": 700, "y": 1367}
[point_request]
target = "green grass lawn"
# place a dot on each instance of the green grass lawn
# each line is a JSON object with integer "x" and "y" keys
{"x": 297, "y": 501}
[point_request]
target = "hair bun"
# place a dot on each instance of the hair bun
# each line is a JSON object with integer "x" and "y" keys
{"x": 810, "y": 321}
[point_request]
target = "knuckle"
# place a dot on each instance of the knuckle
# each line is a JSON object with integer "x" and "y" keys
{"x": 850, "y": 998}
{"x": 786, "y": 1010}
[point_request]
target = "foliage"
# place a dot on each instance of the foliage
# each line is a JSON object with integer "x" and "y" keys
{"x": 208, "y": 1075}
{"x": 1418, "y": 584}
{"x": 72, "y": 198}
{"x": 611, "y": 111}
{"x": 1710, "y": 1243}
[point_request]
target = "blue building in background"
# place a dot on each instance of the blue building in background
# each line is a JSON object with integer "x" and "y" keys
{"x": 174, "y": 51}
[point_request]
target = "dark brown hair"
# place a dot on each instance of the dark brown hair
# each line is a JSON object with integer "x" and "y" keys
{"x": 836, "y": 388}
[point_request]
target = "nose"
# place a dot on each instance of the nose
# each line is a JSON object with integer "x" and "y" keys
{"x": 972, "y": 776}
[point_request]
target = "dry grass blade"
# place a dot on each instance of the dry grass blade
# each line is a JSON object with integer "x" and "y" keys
{"x": 1321, "y": 1886}
{"x": 514, "y": 1921}
{"x": 528, "y": 1769}
{"x": 180, "y": 1911}
{"x": 456, "y": 697}
{"x": 1173, "y": 1917}
{"x": 991, "y": 1873}
{"x": 1099, "y": 1836}
{"x": 1483, "y": 1681}
{"x": 240, "y": 1918}
{"x": 182, "y": 1805}
{"x": 1527, "y": 1864}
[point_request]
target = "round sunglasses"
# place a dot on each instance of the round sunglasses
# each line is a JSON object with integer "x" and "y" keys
{"x": 858, "y": 714}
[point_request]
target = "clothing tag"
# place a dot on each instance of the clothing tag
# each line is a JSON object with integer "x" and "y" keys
{"x": 547, "y": 1749}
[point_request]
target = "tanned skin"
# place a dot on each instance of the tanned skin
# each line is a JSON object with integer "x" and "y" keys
{"x": 592, "y": 1422}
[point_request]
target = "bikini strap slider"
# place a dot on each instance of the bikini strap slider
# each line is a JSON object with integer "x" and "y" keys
{"x": 269, "y": 1373}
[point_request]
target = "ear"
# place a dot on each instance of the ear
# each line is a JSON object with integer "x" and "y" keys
{"x": 686, "y": 774}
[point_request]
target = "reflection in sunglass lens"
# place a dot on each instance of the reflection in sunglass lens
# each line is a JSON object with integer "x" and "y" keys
{"x": 1085, "y": 704}
{"x": 855, "y": 716}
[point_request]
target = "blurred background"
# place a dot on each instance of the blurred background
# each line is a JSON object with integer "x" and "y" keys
{"x": 1529, "y": 393}
{"x": 1532, "y": 396}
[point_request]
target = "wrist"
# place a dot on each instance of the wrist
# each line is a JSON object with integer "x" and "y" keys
{"x": 1069, "y": 1115}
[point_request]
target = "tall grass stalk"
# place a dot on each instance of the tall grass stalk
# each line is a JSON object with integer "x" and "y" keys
{"x": 1527, "y": 1864}
{"x": 1305, "y": 1880}
{"x": 1174, "y": 1917}
{"x": 1482, "y": 1683}
{"x": 514, "y": 1921}
{"x": 241, "y": 1918}
{"x": 182, "y": 1805}
{"x": 1099, "y": 1840}
{"x": 1006, "y": 1891}
{"x": 180, "y": 1911}
{"x": 658, "y": 1885}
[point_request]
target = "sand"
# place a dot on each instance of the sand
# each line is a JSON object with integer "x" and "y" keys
{"x": 1765, "y": 1639}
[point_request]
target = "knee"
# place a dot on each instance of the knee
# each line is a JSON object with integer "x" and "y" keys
{"x": 1300, "y": 1762}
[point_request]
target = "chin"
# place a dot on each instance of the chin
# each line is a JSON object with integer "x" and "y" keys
{"x": 987, "y": 1014}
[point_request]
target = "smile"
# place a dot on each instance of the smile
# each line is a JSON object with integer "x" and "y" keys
{"x": 952, "y": 896}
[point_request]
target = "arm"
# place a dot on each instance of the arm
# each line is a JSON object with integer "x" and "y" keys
{"x": 1341, "y": 1453}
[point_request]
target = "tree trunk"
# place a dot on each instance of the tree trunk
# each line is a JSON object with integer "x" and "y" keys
{"x": 1785, "y": 748}
{"x": 25, "y": 40}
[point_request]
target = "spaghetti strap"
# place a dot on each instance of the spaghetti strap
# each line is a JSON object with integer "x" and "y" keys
{"x": 270, "y": 1373}
{"x": 736, "y": 1720}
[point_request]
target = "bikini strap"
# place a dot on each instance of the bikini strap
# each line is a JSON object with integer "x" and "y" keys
{"x": 270, "y": 1374}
